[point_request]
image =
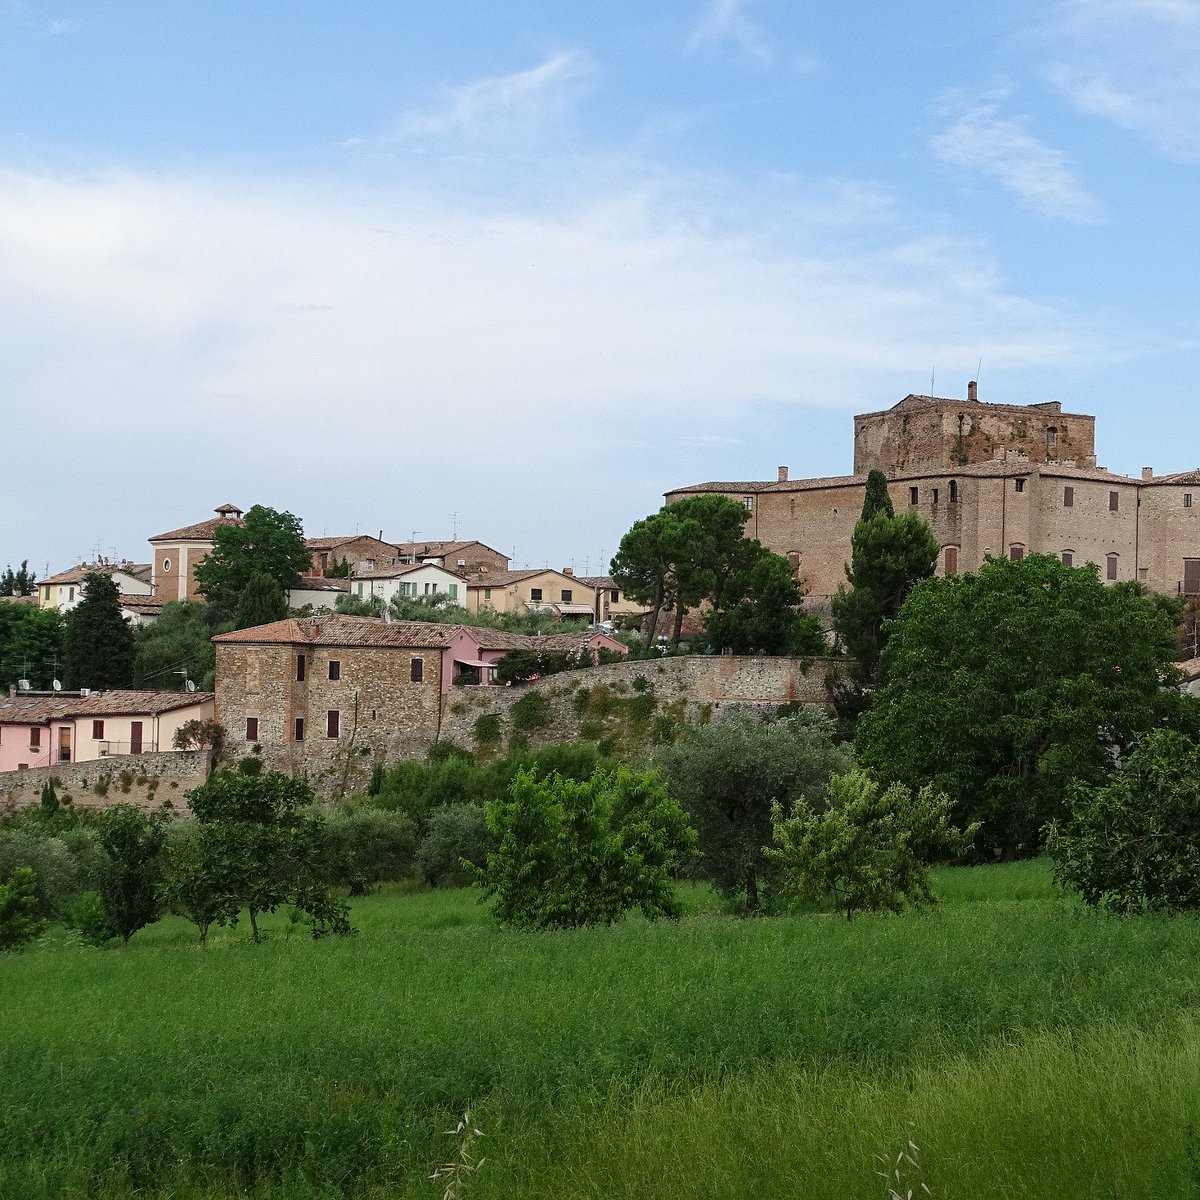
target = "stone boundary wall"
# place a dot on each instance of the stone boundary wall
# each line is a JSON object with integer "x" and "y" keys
{"x": 147, "y": 780}
{"x": 692, "y": 689}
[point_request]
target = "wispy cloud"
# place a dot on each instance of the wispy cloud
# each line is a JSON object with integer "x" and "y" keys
{"x": 522, "y": 100}
{"x": 1041, "y": 177}
{"x": 61, "y": 25}
{"x": 1136, "y": 64}
{"x": 729, "y": 21}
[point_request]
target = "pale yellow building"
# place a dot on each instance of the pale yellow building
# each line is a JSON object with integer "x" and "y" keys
{"x": 537, "y": 589}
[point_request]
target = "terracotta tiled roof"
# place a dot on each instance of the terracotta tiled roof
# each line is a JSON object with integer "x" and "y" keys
{"x": 331, "y": 543}
{"x": 498, "y": 639}
{"x": 1180, "y": 478}
{"x": 18, "y": 600}
{"x": 75, "y": 574}
{"x": 318, "y": 583}
{"x": 202, "y": 531}
{"x": 122, "y": 702}
{"x": 141, "y": 603}
{"x": 504, "y": 578}
{"x": 34, "y": 710}
{"x": 743, "y": 487}
{"x": 404, "y": 569}
{"x": 598, "y": 581}
{"x": 441, "y": 549}
{"x": 339, "y": 630}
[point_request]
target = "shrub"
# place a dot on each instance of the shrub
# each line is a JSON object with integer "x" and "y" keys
{"x": 869, "y": 849}
{"x": 579, "y": 702}
{"x": 1133, "y": 842}
{"x": 641, "y": 707}
{"x": 19, "y": 922}
{"x": 531, "y": 712}
{"x": 487, "y": 729}
{"x": 456, "y": 833}
{"x": 134, "y": 843}
{"x": 582, "y": 853}
{"x": 192, "y": 877}
{"x": 366, "y": 846}
{"x": 591, "y": 731}
{"x": 90, "y": 917}
{"x": 56, "y": 876}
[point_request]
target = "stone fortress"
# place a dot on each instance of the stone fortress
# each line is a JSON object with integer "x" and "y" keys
{"x": 998, "y": 479}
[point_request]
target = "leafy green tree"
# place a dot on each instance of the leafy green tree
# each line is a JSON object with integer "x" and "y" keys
{"x": 267, "y": 848}
{"x": 197, "y": 857}
{"x": 519, "y": 666}
{"x": 55, "y": 871}
{"x": 22, "y": 582}
{"x": 456, "y": 844}
{"x": 197, "y": 734}
{"x": 339, "y": 570}
{"x": 267, "y": 542}
{"x": 729, "y": 777}
{"x": 98, "y": 642}
{"x": 756, "y": 607}
{"x": 19, "y": 922}
{"x": 1131, "y": 842}
{"x": 869, "y": 849}
{"x": 367, "y": 846}
{"x": 1006, "y": 688}
{"x": 261, "y": 602}
{"x": 576, "y": 854}
{"x": 888, "y": 555}
{"x": 642, "y": 565}
{"x": 178, "y": 646}
{"x": 438, "y": 607}
{"x": 31, "y": 644}
{"x": 877, "y": 498}
{"x": 134, "y": 843}
{"x": 358, "y": 606}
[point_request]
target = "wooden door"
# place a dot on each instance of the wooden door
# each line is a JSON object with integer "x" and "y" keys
{"x": 135, "y": 737}
{"x": 64, "y": 743}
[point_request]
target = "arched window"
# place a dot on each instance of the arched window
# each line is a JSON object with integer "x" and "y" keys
{"x": 1016, "y": 552}
{"x": 1068, "y": 558}
{"x": 1111, "y": 567}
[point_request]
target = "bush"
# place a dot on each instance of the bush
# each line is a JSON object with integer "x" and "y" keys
{"x": 456, "y": 833}
{"x": 366, "y": 846}
{"x": 90, "y": 917}
{"x": 583, "y": 853}
{"x": 868, "y": 850}
{"x": 1133, "y": 842}
{"x": 531, "y": 712}
{"x": 487, "y": 729}
{"x": 134, "y": 843}
{"x": 56, "y": 875}
{"x": 19, "y": 922}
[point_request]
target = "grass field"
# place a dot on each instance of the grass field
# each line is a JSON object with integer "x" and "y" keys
{"x": 1029, "y": 1047}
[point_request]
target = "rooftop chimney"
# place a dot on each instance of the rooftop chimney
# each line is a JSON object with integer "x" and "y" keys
{"x": 783, "y": 474}
{"x": 972, "y": 392}
{"x": 568, "y": 570}
{"x": 1147, "y": 472}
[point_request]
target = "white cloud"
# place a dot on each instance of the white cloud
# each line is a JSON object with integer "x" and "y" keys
{"x": 727, "y": 21}
{"x": 1136, "y": 64}
{"x": 61, "y": 25}
{"x": 1040, "y": 176}
{"x": 520, "y": 101}
{"x": 399, "y": 358}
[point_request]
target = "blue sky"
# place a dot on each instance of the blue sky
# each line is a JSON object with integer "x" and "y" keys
{"x": 514, "y": 270}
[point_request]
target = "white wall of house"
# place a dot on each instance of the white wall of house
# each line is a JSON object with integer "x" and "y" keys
{"x": 425, "y": 580}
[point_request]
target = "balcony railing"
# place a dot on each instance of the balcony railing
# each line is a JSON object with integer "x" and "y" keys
{"x": 106, "y": 749}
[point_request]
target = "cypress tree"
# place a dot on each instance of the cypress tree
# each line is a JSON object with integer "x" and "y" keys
{"x": 877, "y": 498}
{"x": 99, "y": 642}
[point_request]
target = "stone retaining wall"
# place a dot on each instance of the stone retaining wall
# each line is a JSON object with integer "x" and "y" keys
{"x": 147, "y": 780}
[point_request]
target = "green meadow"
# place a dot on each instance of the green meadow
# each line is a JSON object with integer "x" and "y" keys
{"x": 1027, "y": 1047}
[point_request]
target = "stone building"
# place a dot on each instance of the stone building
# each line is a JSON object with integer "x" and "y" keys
{"x": 178, "y": 552}
{"x": 990, "y": 479}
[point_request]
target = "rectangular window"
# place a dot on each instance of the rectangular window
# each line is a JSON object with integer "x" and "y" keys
{"x": 453, "y": 590}
{"x": 1068, "y": 497}
{"x": 299, "y": 668}
{"x": 1114, "y": 499}
{"x": 535, "y": 593}
{"x": 35, "y": 738}
{"x": 565, "y": 595}
{"x": 913, "y": 495}
{"x": 1143, "y": 573}
{"x": 1019, "y": 484}
{"x": 748, "y": 503}
{"x": 252, "y": 729}
{"x": 1016, "y": 553}
{"x": 97, "y": 731}
{"x": 616, "y": 597}
{"x": 487, "y": 593}
{"x": 1187, "y": 499}
{"x": 360, "y": 589}
{"x": 935, "y": 495}
{"x": 1191, "y": 579}
{"x": 1111, "y": 572}
{"x": 1051, "y": 438}
{"x": 951, "y": 560}
{"x": 417, "y": 670}
{"x": 299, "y": 729}
{"x": 333, "y": 720}
{"x": 335, "y": 669}
{"x": 1068, "y": 558}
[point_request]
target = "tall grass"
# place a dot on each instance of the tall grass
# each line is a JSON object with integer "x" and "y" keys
{"x": 311, "y": 1069}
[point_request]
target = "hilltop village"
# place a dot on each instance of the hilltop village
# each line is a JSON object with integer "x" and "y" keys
{"x": 988, "y": 479}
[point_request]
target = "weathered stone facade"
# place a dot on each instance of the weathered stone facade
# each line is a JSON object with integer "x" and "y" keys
{"x": 148, "y": 780}
{"x": 1038, "y": 490}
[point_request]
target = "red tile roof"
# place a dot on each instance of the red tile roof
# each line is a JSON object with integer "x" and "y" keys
{"x": 202, "y": 531}
{"x": 340, "y": 630}
{"x": 38, "y": 710}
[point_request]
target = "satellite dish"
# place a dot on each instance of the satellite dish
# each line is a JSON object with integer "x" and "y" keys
{"x": 56, "y": 685}
{"x": 190, "y": 685}
{"x": 23, "y": 685}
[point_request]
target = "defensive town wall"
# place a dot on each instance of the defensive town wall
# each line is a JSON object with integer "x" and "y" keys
{"x": 147, "y": 780}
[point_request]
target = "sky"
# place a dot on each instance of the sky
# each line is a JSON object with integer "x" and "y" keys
{"x": 511, "y": 271}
